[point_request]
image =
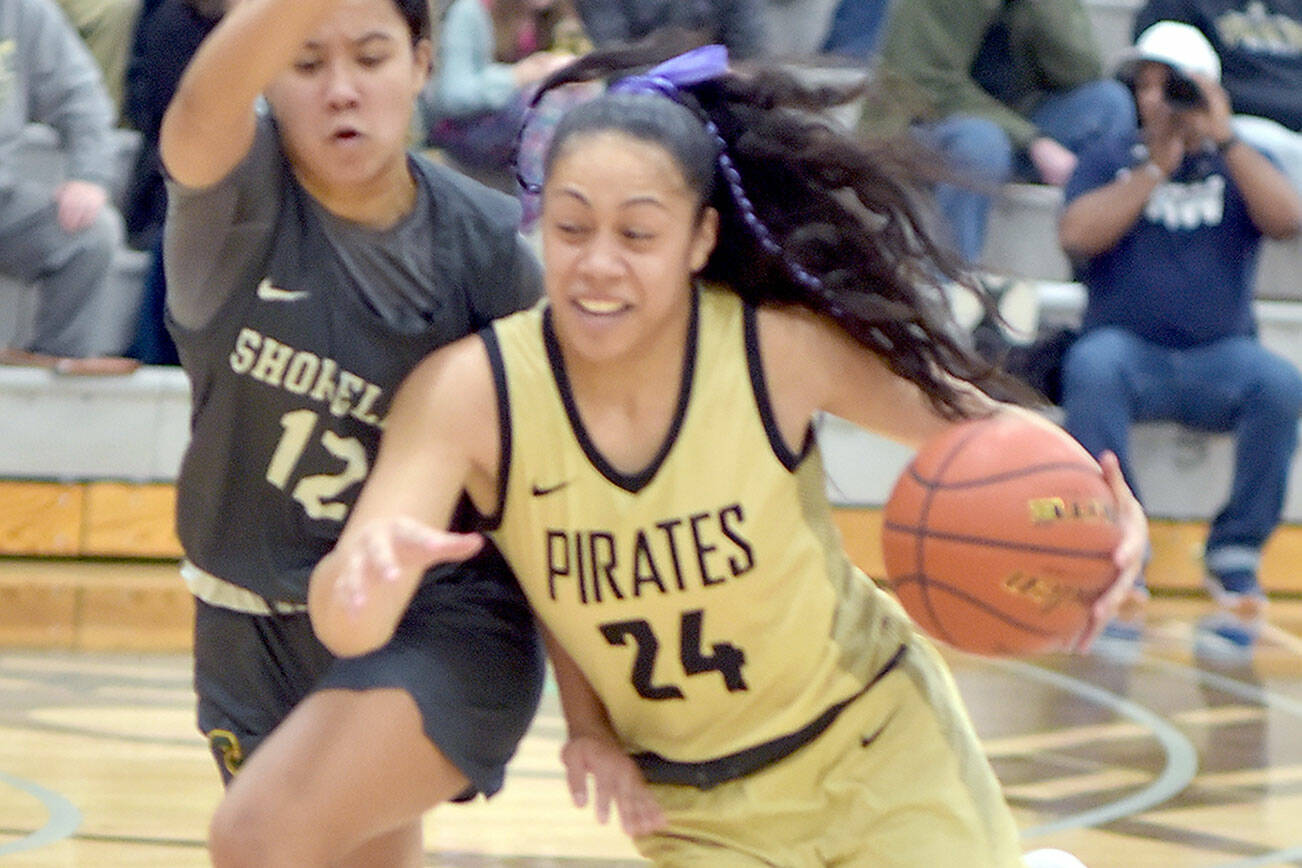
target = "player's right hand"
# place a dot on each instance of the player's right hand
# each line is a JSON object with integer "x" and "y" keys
{"x": 396, "y": 552}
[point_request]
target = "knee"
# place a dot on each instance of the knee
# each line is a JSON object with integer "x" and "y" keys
{"x": 246, "y": 832}
{"x": 98, "y": 241}
{"x": 1279, "y": 389}
{"x": 1091, "y": 365}
{"x": 979, "y": 148}
{"x": 233, "y": 839}
{"x": 1113, "y": 107}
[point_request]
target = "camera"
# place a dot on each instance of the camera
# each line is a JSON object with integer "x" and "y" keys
{"x": 1183, "y": 92}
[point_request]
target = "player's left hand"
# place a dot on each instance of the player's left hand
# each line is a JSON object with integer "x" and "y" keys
{"x": 1128, "y": 556}
{"x": 616, "y": 778}
{"x": 79, "y": 204}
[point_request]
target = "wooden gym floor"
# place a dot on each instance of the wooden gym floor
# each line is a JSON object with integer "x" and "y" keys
{"x": 1166, "y": 752}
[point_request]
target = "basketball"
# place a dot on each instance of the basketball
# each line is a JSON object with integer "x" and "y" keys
{"x": 998, "y": 537}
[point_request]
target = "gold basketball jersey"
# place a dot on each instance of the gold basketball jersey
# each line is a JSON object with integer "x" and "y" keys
{"x": 707, "y": 598}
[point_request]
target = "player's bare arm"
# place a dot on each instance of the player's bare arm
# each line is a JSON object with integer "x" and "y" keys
{"x": 811, "y": 365}
{"x": 440, "y": 439}
{"x": 592, "y": 749}
{"x": 208, "y": 127}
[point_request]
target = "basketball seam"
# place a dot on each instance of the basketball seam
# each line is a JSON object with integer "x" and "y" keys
{"x": 923, "y": 534}
{"x": 937, "y": 484}
{"x": 975, "y": 602}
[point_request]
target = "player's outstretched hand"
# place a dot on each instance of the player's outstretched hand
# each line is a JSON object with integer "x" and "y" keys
{"x": 616, "y": 778}
{"x": 1128, "y": 556}
{"x": 395, "y": 553}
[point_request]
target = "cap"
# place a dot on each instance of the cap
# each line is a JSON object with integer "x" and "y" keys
{"x": 1180, "y": 46}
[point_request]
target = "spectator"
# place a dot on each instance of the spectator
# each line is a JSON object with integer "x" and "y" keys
{"x": 490, "y": 56}
{"x": 1166, "y": 226}
{"x": 169, "y": 33}
{"x": 1006, "y": 90}
{"x": 62, "y": 236}
{"x": 106, "y": 27}
{"x": 167, "y": 37}
{"x": 1259, "y": 44}
{"x": 738, "y": 24}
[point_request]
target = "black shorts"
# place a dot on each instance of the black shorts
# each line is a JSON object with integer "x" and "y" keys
{"x": 467, "y": 651}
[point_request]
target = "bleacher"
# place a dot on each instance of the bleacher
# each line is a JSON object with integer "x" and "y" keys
{"x": 87, "y": 463}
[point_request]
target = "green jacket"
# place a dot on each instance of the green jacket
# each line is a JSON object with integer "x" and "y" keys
{"x": 936, "y": 55}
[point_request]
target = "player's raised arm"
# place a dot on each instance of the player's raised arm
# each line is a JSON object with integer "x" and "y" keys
{"x": 208, "y": 127}
{"x": 440, "y": 439}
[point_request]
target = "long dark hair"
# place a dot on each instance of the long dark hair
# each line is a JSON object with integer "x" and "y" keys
{"x": 847, "y": 219}
{"x": 417, "y": 15}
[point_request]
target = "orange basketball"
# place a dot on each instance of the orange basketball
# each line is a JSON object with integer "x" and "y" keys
{"x": 998, "y": 537}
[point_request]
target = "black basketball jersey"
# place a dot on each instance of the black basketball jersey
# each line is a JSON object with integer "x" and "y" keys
{"x": 292, "y": 378}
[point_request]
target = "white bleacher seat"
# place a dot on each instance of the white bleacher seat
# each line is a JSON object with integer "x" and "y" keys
{"x": 1113, "y": 21}
{"x": 1022, "y": 240}
{"x": 68, "y": 428}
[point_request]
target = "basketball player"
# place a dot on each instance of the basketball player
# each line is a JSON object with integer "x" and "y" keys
{"x": 311, "y": 262}
{"x": 718, "y": 272}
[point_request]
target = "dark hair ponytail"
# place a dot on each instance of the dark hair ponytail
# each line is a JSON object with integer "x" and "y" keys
{"x": 810, "y": 215}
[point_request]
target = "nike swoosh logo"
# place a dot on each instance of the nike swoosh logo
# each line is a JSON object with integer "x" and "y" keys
{"x": 865, "y": 740}
{"x": 267, "y": 291}
{"x": 543, "y": 491}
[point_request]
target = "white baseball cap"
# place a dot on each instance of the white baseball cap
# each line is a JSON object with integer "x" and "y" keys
{"x": 1180, "y": 46}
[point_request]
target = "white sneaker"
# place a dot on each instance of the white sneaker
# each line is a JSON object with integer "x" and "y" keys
{"x": 1051, "y": 859}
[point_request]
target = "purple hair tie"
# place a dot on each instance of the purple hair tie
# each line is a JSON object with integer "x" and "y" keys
{"x": 692, "y": 67}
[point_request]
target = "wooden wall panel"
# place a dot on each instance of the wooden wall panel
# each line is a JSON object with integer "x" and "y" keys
{"x": 40, "y": 518}
{"x": 128, "y": 615}
{"x": 36, "y": 614}
{"x": 130, "y": 520}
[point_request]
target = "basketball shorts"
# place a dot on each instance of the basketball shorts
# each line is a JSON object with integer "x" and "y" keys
{"x": 466, "y": 650}
{"x": 898, "y": 780}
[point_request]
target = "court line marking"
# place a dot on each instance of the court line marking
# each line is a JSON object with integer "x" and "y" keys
{"x": 63, "y": 822}
{"x": 1181, "y": 758}
{"x": 1255, "y": 693}
{"x": 1275, "y": 858}
{"x": 1233, "y": 686}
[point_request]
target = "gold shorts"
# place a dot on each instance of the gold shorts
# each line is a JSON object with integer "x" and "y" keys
{"x": 899, "y": 780}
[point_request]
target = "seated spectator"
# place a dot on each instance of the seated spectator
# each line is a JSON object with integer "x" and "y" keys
{"x": 490, "y": 56}
{"x": 1259, "y": 43}
{"x": 62, "y": 237}
{"x": 1165, "y": 226}
{"x": 168, "y": 35}
{"x": 106, "y": 26}
{"x": 1005, "y": 90}
{"x": 738, "y": 24}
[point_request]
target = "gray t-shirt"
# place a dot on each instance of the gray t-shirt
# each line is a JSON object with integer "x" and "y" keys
{"x": 295, "y": 328}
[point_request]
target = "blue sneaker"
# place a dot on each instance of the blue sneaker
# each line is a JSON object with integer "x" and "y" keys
{"x": 1128, "y": 625}
{"x": 1239, "y": 613}
{"x": 1237, "y": 631}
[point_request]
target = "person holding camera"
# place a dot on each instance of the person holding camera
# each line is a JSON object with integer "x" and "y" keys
{"x": 1259, "y": 43}
{"x": 1164, "y": 229}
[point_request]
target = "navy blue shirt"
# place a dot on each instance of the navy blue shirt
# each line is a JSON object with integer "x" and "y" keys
{"x": 1183, "y": 274}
